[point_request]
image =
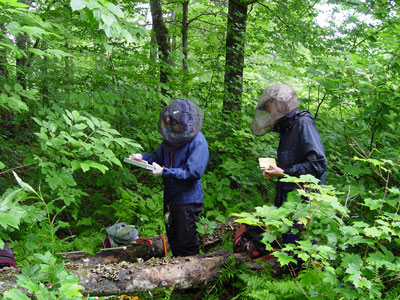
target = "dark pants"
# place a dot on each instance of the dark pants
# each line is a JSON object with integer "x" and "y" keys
{"x": 181, "y": 230}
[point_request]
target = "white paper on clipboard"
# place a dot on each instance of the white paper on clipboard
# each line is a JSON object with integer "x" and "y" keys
{"x": 139, "y": 163}
{"x": 266, "y": 162}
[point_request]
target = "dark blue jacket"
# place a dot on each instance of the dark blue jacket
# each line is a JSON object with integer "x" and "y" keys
{"x": 300, "y": 151}
{"x": 183, "y": 169}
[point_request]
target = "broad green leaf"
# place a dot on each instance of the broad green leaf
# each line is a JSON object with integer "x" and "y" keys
{"x": 2, "y": 166}
{"x": 15, "y": 294}
{"x": 283, "y": 258}
{"x": 67, "y": 120}
{"x": 108, "y": 19}
{"x": 12, "y": 217}
{"x": 372, "y": 232}
{"x": 310, "y": 277}
{"x": 28, "y": 283}
{"x": 71, "y": 290}
{"x": 77, "y": 4}
{"x": 115, "y": 10}
{"x": 18, "y": 88}
{"x": 92, "y": 4}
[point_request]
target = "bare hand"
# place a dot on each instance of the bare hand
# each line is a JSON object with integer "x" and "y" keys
{"x": 273, "y": 172}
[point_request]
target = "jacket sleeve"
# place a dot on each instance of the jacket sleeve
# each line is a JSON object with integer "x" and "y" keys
{"x": 156, "y": 156}
{"x": 195, "y": 165}
{"x": 312, "y": 150}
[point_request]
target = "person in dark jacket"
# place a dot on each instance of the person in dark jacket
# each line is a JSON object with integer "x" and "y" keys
{"x": 300, "y": 149}
{"x": 181, "y": 160}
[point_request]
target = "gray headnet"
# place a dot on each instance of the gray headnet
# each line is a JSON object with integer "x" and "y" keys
{"x": 184, "y": 112}
{"x": 276, "y": 101}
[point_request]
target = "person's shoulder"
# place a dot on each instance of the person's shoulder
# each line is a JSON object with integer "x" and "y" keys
{"x": 198, "y": 140}
{"x": 305, "y": 117}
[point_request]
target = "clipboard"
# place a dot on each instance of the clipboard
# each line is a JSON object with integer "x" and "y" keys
{"x": 265, "y": 163}
{"x": 139, "y": 163}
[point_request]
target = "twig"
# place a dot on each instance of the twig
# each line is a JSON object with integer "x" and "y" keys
{"x": 16, "y": 168}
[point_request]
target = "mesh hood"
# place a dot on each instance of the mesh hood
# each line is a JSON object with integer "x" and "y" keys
{"x": 276, "y": 101}
{"x": 184, "y": 112}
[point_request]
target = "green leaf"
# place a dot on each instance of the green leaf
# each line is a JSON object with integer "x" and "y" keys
{"x": 284, "y": 258}
{"x": 77, "y": 4}
{"x": 15, "y": 294}
{"x": 372, "y": 232}
{"x": 115, "y": 10}
{"x": 12, "y": 218}
{"x": 108, "y": 19}
{"x": 92, "y": 4}
{"x": 310, "y": 277}
{"x": 2, "y": 166}
{"x": 70, "y": 290}
{"x": 18, "y": 88}
{"x": 24, "y": 185}
{"x": 26, "y": 282}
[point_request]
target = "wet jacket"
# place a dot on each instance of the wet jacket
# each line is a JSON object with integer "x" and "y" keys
{"x": 300, "y": 151}
{"x": 182, "y": 172}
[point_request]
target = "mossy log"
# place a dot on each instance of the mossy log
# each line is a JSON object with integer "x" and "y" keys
{"x": 129, "y": 253}
{"x": 156, "y": 273}
{"x": 143, "y": 267}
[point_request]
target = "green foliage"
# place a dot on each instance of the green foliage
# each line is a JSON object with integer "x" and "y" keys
{"x": 349, "y": 250}
{"x": 46, "y": 280}
{"x": 79, "y": 90}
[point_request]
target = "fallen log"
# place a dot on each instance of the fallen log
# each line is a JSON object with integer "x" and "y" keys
{"x": 144, "y": 267}
{"x": 153, "y": 275}
{"x": 156, "y": 273}
{"x": 129, "y": 253}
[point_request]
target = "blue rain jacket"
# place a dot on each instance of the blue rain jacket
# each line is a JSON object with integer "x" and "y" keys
{"x": 182, "y": 172}
{"x": 299, "y": 139}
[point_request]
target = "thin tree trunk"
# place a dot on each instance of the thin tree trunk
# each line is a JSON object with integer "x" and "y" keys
{"x": 3, "y": 55}
{"x": 234, "y": 61}
{"x": 162, "y": 36}
{"x": 22, "y": 43}
{"x": 185, "y": 8}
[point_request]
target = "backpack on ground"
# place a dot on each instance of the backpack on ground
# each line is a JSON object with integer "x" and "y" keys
{"x": 247, "y": 239}
{"x": 7, "y": 257}
{"x": 120, "y": 234}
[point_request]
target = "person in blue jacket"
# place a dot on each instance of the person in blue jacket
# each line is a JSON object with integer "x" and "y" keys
{"x": 300, "y": 149}
{"x": 181, "y": 160}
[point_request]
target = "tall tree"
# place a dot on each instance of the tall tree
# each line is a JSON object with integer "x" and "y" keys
{"x": 234, "y": 57}
{"x": 162, "y": 37}
{"x": 185, "y": 24}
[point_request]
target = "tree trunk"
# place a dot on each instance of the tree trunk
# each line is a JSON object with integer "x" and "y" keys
{"x": 234, "y": 61}
{"x": 181, "y": 273}
{"x": 185, "y": 8}
{"x": 162, "y": 37}
{"x": 22, "y": 43}
{"x": 143, "y": 267}
{"x": 3, "y": 55}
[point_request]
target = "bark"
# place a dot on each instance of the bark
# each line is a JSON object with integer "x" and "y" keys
{"x": 182, "y": 273}
{"x": 21, "y": 42}
{"x": 143, "y": 267}
{"x": 185, "y": 25}
{"x": 3, "y": 55}
{"x": 130, "y": 253}
{"x": 234, "y": 60}
{"x": 162, "y": 37}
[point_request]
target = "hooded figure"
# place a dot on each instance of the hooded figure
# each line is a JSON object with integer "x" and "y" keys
{"x": 181, "y": 160}
{"x": 300, "y": 149}
{"x": 179, "y": 112}
{"x": 276, "y": 101}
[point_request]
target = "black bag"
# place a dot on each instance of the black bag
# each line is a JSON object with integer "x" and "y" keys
{"x": 247, "y": 239}
{"x": 7, "y": 258}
